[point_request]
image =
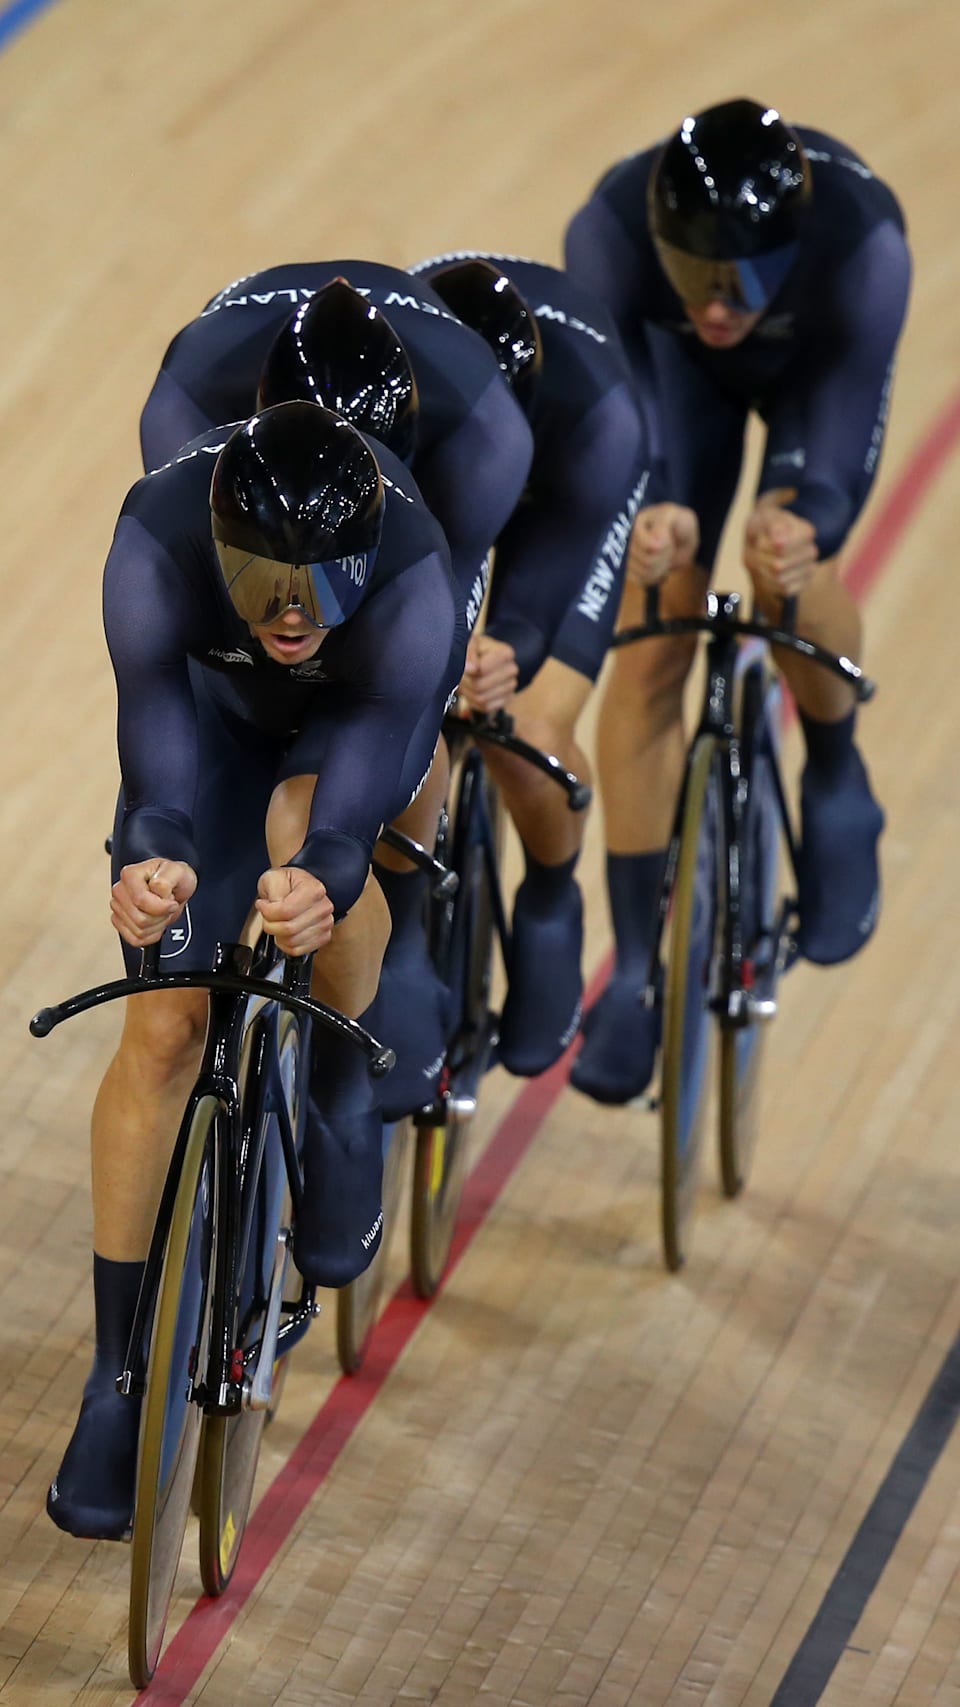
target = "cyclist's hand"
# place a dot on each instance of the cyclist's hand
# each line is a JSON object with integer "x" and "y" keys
{"x": 296, "y": 909}
{"x": 779, "y": 548}
{"x": 664, "y": 537}
{"x": 148, "y": 897}
{"x": 491, "y": 674}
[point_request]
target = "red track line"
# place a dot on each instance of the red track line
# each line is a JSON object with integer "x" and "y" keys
{"x": 283, "y": 1503}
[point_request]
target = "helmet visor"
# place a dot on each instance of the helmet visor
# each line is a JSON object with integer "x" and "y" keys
{"x": 261, "y": 589}
{"x": 748, "y": 284}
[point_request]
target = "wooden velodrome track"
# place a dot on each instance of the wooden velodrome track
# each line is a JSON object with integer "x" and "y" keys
{"x": 573, "y": 1479}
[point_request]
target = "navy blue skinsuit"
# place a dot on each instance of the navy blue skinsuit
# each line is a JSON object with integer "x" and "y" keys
{"x": 560, "y": 558}
{"x": 473, "y": 445}
{"x": 818, "y": 366}
{"x": 208, "y": 724}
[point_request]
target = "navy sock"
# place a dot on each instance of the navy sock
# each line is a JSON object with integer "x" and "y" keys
{"x": 633, "y": 887}
{"x": 116, "y": 1287}
{"x": 545, "y": 887}
{"x": 829, "y": 745}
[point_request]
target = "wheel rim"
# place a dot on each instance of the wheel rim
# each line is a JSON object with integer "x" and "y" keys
{"x": 171, "y": 1420}
{"x": 686, "y": 1027}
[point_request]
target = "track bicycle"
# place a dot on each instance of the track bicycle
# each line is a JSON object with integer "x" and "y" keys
{"x": 466, "y": 916}
{"x": 726, "y": 923}
{"x": 214, "y": 1322}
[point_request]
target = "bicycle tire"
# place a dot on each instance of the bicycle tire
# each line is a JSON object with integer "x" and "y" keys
{"x": 686, "y": 1011}
{"x": 742, "y": 1046}
{"x": 170, "y": 1419}
{"x": 440, "y": 1156}
{"x": 359, "y": 1303}
{"x": 230, "y": 1448}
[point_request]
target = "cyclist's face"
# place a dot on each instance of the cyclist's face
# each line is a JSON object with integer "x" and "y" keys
{"x": 720, "y": 325}
{"x": 290, "y": 638}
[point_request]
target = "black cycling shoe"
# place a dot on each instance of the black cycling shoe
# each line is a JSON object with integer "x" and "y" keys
{"x": 619, "y": 1051}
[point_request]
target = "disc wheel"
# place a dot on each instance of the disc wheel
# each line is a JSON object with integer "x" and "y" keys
{"x": 686, "y": 1013}
{"x": 358, "y": 1304}
{"x": 742, "y": 1046}
{"x": 230, "y": 1448}
{"x": 171, "y": 1419}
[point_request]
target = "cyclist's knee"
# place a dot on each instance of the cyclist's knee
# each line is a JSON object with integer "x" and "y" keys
{"x": 652, "y": 674}
{"x": 163, "y": 1032}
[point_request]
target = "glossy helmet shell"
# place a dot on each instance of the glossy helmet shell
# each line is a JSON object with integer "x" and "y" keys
{"x": 484, "y": 298}
{"x": 340, "y": 351}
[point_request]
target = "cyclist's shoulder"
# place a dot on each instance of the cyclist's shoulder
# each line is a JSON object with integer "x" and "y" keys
{"x": 177, "y": 493}
{"x": 849, "y": 199}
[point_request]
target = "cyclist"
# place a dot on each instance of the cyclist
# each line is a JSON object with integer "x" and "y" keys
{"x": 555, "y": 589}
{"x": 388, "y": 354}
{"x": 285, "y": 633}
{"x": 750, "y": 267}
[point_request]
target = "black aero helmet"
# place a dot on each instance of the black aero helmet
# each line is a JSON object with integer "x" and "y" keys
{"x": 296, "y": 504}
{"x": 726, "y": 201}
{"x": 339, "y": 350}
{"x": 480, "y": 295}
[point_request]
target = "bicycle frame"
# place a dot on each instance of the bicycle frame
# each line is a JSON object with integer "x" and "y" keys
{"x": 240, "y": 1004}
{"x": 725, "y": 630}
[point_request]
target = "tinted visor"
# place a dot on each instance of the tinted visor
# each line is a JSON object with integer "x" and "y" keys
{"x": 748, "y": 284}
{"x": 261, "y": 589}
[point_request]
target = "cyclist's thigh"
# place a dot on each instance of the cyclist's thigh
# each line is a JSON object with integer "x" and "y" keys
{"x": 236, "y": 766}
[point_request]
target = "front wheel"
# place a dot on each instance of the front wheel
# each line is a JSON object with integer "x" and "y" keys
{"x": 171, "y": 1418}
{"x": 686, "y": 999}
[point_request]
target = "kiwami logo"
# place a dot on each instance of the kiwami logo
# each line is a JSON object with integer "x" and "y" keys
{"x": 366, "y": 1239}
{"x": 237, "y": 657}
{"x": 178, "y": 936}
{"x": 603, "y": 576}
{"x": 789, "y": 459}
{"x": 545, "y": 312}
{"x": 573, "y": 1027}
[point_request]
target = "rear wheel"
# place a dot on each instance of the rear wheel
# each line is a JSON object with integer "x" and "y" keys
{"x": 686, "y": 1014}
{"x": 358, "y": 1304}
{"x": 171, "y": 1419}
{"x": 742, "y": 1046}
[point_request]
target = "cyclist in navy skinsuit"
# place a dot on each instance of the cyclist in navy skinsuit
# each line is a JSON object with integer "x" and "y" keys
{"x": 284, "y": 631}
{"x": 749, "y": 266}
{"x": 558, "y": 568}
{"x": 324, "y": 330}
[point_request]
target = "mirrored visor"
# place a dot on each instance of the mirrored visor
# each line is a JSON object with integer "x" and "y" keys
{"x": 748, "y": 285}
{"x": 261, "y": 589}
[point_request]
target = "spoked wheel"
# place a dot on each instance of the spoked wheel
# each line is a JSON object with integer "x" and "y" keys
{"x": 686, "y": 1015}
{"x": 171, "y": 1419}
{"x": 765, "y": 920}
{"x": 440, "y": 1161}
{"x": 358, "y": 1304}
{"x": 231, "y": 1443}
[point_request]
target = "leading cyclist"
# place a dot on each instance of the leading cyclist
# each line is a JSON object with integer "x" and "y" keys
{"x": 749, "y": 266}
{"x": 285, "y": 632}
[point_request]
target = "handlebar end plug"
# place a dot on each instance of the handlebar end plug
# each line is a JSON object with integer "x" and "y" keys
{"x": 382, "y": 1063}
{"x": 43, "y": 1023}
{"x": 580, "y": 797}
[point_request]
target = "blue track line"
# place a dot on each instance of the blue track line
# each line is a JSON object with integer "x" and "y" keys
{"x": 869, "y": 1552}
{"x": 16, "y": 17}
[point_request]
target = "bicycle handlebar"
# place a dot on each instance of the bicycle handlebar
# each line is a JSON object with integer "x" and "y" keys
{"x": 226, "y": 977}
{"x": 445, "y": 881}
{"x": 497, "y": 729}
{"x": 721, "y": 618}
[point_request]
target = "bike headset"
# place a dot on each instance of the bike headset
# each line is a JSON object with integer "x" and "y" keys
{"x": 339, "y": 350}
{"x": 727, "y": 200}
{"x": 296, "y": 505}
{"x": 480, "y": 295}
